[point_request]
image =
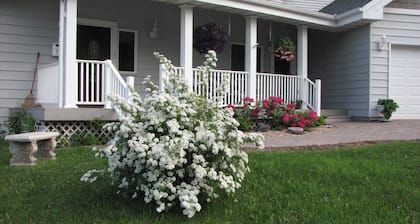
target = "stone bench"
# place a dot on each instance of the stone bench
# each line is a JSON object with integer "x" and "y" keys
{"x": 27, "y": 147}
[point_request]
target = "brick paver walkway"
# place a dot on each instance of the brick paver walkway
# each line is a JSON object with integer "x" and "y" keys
{"x": 345, "y": 133}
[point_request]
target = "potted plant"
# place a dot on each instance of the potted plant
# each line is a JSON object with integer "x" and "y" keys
{"x": 285, "y": 49}
{"x": 388, "y": 107}
{"x": 209, "y": 36}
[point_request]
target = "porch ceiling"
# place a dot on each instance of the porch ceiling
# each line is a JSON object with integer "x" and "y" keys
{"x": 275, "y": 12}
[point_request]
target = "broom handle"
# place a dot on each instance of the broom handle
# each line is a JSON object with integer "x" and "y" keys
{"x": 35, "y": 72}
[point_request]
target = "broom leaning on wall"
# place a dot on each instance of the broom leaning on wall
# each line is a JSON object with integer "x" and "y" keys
{"x": 29, "y": 101}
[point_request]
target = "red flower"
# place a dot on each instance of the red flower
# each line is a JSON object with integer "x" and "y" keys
{"x": 291, "y": 106}
{"x": 295, "y": 116}
{"x": 302, "y": 125}
{"x": 249, "y": 99}
{"x": 274, "y": 103}
{"x": 246, "y": 106}
{"x": 265, "y": 103}
{"x": 255, "y": 112}
{"x": 269, "y": 112}
{"x": 286, "y": 118}
{"x": 307, "y": 122}
{"x": 312, "y": 115}
{"x": 230, "y": 106}
{"x": 293, "y": 125}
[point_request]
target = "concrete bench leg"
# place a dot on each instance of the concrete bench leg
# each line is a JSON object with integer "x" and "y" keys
{"x": 23, "y": 153}
{"x": 46, "y": 149}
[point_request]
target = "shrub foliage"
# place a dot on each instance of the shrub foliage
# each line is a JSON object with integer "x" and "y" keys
{"x": 175, "y": 148}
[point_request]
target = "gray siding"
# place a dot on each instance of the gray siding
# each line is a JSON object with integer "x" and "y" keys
{"x": 26, "y": 27}
{"x": 341, "y": 61}
{"x": 399, "y": 29}
{"x": 407, "y": 4}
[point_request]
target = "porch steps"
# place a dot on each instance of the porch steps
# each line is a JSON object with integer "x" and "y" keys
{"x": 335, "y": 115}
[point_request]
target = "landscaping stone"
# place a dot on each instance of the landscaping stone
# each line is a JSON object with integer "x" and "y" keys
{"x": 296, "y": 130}
{"x": 261, "y": 127}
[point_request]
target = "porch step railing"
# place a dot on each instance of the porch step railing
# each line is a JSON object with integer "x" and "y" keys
{"x": 290, "y": 87}
{"x": 97, "y": 80}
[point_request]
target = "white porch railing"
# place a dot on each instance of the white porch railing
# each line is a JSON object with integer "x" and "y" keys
{"x": 286, "y": 86}
{"x": 98, "y": 79}
{"x": 236, "y": 90}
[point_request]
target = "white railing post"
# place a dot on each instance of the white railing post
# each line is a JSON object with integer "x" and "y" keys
{"x": 130, "y": 84}
{"x": 318, "y": 96}
{"x": 108, "y": 84}
{"x": 162, "y": 76}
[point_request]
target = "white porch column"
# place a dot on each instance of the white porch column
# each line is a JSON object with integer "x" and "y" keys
{"x": 251, "y": 55}
{"x": 69, "y": 48}
{"x": 186, "y": 45}
{"x": 302, "y": 60}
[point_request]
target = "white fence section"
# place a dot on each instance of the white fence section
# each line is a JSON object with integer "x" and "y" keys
{"x": 286, "y": 86}
{"x": 97, "y": 80}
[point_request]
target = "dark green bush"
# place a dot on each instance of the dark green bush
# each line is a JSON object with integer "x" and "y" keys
{"x": 20, "y": 121}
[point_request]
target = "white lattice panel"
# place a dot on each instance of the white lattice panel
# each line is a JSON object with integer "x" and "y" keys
{"x": 69, "y": 128}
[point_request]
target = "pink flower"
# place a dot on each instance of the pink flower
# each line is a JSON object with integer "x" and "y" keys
{"x": 293, "y": 125}
{"x": 302, "y": 125}
{"x": 255, "y": 112}
{"x": 286, "y": 118}
{"x": 295, "y": 116}
{"x": 265, "y": 103}
{"x": 269, "y": 112}
{"x": 275, "y": 103}
{"x": 230, "y": 106}
{"x": 245, "y": 106}
{"x": 249, "y": 99}
{"x": 312, "y": 115}
{"x": 291, "y": 106}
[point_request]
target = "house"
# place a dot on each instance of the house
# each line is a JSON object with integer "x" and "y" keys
{"x": 361, "y": 50}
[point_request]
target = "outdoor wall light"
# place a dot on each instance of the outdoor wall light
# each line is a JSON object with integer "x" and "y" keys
{"x": 383, "y": 43}
{"x": 154, "y": 32}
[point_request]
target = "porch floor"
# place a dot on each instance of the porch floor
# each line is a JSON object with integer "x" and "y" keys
{"x": 73, "y": 114}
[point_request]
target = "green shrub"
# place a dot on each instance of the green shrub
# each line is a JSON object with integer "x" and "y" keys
{"x": 20, "y": 121}
{"x": 389, "y": 107}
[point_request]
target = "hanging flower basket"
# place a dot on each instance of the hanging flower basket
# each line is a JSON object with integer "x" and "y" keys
{"x": 285, "y": 49}
{"x": 209, "y": 37}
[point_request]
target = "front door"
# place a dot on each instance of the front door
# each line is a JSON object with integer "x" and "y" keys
{"x": 93, "y": 44}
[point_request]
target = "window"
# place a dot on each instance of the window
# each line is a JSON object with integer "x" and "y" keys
{"x": 127, "y": 51}
{"x": 237, "y": 58}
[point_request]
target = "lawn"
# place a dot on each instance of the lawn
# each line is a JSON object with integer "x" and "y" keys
{"x": 372, "y": 184}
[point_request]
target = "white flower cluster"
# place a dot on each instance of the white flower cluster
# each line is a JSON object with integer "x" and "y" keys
{"x": 174, "y": 147}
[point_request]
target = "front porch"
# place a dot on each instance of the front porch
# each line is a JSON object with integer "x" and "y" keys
{"x": 85, "y": 80}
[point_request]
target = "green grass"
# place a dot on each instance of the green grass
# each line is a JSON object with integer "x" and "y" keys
{"x": 373, "y": 184}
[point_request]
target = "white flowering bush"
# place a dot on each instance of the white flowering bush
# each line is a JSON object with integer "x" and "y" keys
{"x": 175, "y": 148}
